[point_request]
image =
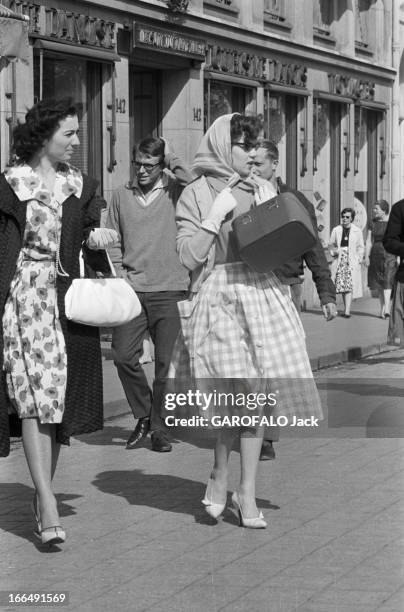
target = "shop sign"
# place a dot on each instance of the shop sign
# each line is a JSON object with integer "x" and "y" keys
{"x": 234, "y": 61}
{"x": 286, "y": 74}
{"x": 149, "y": 37}
{"x": 242, "y": 63}
{"x": 79, "y": 29}
{"x": 352, "y": 87}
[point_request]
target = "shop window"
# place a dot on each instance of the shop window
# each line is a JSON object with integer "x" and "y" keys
{"x": 330, "y": 158}
{"x": 63, "y": 76}
{"x": 285, "y": 123}
{"x": 369, "y": 154}
{"x": 222, "y": 98}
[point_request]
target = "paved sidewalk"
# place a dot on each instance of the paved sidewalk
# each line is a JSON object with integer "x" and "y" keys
{"x": 341, "y": 340}
{"x": 139, "y": 539}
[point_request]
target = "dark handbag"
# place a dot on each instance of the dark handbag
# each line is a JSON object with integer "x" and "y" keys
{"x": 274, "y": 232}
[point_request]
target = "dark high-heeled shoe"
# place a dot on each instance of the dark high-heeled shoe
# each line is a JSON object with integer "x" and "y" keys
{"x": 48, "y": 535}
{"x": 214, "y": 509}
{"x": 257, "y": 522}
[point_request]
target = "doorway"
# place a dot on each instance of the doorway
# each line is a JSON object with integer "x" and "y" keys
{"x": 145, "y": 109}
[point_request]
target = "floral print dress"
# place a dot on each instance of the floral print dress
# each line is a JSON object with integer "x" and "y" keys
{"x": 35, "y": 358}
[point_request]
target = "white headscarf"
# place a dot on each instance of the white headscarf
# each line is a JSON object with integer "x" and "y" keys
{"x": 213, "y": 156}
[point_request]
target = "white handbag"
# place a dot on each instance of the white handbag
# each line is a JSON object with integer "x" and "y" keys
{"x": 101, "y": 302}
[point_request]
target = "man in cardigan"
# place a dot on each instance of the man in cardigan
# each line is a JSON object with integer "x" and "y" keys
{"x": 291, "y": 273}
{"x": 143, "y": 214}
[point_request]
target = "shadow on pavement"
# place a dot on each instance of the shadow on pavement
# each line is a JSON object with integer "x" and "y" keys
{"x": 116, "y": 435}
{"x": 162, "y": 492}
{"x": 18, "y": 518}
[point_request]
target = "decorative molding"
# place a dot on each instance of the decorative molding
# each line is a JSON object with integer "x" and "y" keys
{"x": 177, "y": 6}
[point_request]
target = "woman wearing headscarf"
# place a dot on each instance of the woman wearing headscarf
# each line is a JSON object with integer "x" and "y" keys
{"x": 240, "y": 329}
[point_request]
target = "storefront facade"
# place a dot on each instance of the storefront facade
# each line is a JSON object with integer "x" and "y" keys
{"x": 319, "y": 73}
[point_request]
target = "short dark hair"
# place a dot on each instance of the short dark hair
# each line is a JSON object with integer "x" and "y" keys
{"x": 41, "y": 121}
{"x": 150, "y": 146}
{"x": 247, "y": 126}
{"x": 384, "y": 205}
{"x": 348, "y": 210}
{"x": 271, "y": 149}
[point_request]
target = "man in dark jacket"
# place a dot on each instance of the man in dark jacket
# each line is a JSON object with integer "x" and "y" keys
{"x": 291, "y": 273}
{"x": 393, "y": 242}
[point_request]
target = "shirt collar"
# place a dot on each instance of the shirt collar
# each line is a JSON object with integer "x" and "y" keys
{"x": 162, "y": 183}
{"x": 28, "y": 185}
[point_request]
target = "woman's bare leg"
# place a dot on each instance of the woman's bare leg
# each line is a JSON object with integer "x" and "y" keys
{"x": 224, "y": 444}
{"x": 381, "y": 301}
{"x": 347, "y": 297}
{"x": 250, "y": 447}
{"x": 41, "y": 452}
{"x": 387, "y": 298}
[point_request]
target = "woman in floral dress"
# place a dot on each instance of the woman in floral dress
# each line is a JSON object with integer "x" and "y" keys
{"x": 47, "y": 208}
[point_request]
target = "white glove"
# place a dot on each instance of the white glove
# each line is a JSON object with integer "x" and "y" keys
{"x": 101, "y": 238}
{"x": 264, "y": 193}
{"x": 222, "y": 205}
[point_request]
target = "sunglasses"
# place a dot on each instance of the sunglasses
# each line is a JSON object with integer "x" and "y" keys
{"x": 247, "y": 147}
{"x": 147, "y": 167}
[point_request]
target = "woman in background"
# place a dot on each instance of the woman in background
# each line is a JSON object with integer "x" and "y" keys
{"x": 382, "y": 265}
{"x": 347, "y": 248}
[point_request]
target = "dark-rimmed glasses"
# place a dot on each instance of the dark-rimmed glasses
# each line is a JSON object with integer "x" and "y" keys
{"x": 146, "y": 167}
{"x": 247, "y": 147}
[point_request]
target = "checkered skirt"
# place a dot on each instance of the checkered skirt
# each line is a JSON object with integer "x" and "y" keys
{"x": 242, "y": 326}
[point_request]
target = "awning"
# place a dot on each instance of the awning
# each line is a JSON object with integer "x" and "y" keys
{"x": 14, "y": 35}
{"x": 95, "y": 54}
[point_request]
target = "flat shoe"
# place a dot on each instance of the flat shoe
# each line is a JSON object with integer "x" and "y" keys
{"x": 140, "y": 432}
{"x": 160, "y": 443}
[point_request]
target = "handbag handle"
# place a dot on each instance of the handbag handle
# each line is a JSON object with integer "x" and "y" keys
{"x": 81, "y": 262}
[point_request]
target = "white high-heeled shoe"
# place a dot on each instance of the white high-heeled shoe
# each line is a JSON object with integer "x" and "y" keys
{"x": 49, "y": 535}
{"x": 212, "y": 508}
{"x": 253, "y": 523}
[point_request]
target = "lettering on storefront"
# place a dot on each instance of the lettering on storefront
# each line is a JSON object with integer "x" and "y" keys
{"x": 234, "y": 61}
{"x": 286, "y": 74}
{"x": 164, "y": 40}
{"x": 344, "y": 85}
{"x": 80, "y": 29}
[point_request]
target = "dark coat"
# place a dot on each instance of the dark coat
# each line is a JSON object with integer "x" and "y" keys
{"x": 393, "y": 240}
{"x": 315, "y": 259}
{"x": 84, "y": 400}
